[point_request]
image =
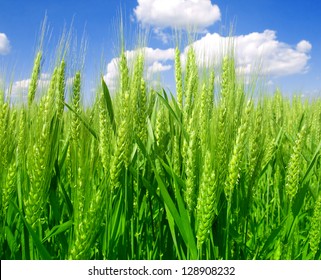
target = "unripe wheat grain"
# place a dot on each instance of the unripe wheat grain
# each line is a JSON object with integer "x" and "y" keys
{"x": 293, "y": 167}
{"x": 206, "y": 201}
{"x": 75, "y": 122}
{"x": 234, "y": 164}
{"x": 315, "y": 230}
{"x": 34, "y": 78}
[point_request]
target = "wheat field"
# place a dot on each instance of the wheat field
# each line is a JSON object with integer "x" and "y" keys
{"x": 214, "y": 171}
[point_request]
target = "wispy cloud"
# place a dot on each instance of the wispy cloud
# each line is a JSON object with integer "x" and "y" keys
{"x": 160, "y": 34}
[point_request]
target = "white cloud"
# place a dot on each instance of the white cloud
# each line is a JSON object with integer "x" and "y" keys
{"x": 303, "y": 46}
{"x": 20, "y": 87}
{"x": 160, "y": 34}
{"x": 253, "y": 52}
{"x": 153, "y": 59}
{"x": 19, "y": 90}
{"x": 157, "y": 67}
{"x": 270, "y": 83}
{"x": 111, "y": 78}
{"x": 177, "y": 13}
{"x": 159, "y": 54}
{"x": 45, "y": 76}
{"x": 4, "y": 44}
{"x": 43, "y": 81}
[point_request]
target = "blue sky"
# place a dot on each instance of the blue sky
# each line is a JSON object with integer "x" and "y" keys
{"x": 284, "y": 35}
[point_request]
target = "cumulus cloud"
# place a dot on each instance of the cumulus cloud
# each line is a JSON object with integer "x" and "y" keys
{"x": 254, "y": 50}
{"x": 159, "y": 54}
{"x": 4, "y": 44}
{"x": 112, "y": 76}
{"x": 21, "y": 86}
{"x": 157, "y": 67}
{"x": 154, "y": 63}
{"x": 177, "y": 13}
{"x": 304, "y": 46}
{"x": 258, "y": 53}
{"x": 19, "y": 90}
